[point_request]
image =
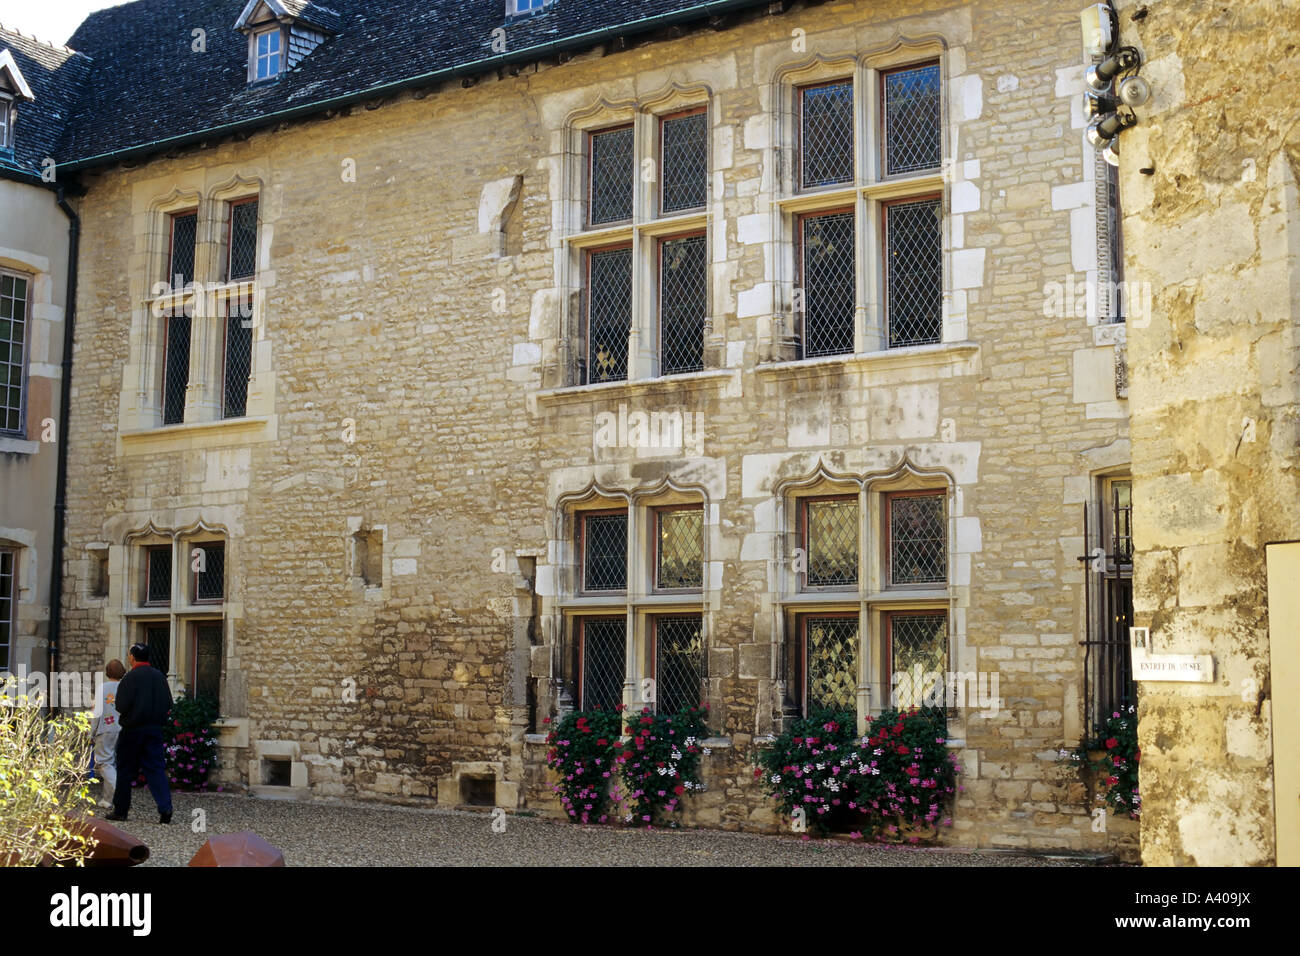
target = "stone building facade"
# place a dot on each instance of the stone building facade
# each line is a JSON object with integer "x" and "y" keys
{"x": 437, "y": 510}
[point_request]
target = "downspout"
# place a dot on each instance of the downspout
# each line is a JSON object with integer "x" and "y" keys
{"x": 65, "y": 402}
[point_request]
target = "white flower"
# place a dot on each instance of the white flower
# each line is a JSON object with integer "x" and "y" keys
{"x": 776, "y": 778}
{"x": 707, "y": 751}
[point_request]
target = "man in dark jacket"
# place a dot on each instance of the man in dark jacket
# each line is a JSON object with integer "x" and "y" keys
{"x": 143, "y": 703}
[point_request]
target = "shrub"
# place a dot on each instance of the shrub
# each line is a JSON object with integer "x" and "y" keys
{"x": 808, "y": 767}
{"x": 43, "y": 785}
{"x": 1117, "y": 767}
{"x": 660, "y": 762}
{"x": 189, "y": 743}
{"x": 583, "y": 746}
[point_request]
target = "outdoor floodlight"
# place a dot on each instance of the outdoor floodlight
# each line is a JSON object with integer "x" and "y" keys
{"x": 1101, "y": 131}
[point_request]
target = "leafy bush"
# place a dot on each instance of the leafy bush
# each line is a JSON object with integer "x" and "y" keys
{"x": 661, "y": 762}
{"x": 583, "y": 747}
{"x": 808, "y": 768}
{"x": 43, "y": 786}
{"x": 190, "y": 743}
{"x": 1117, "y": 767}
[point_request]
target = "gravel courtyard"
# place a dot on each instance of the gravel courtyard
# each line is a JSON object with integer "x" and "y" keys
{"x": 354, "y": 835}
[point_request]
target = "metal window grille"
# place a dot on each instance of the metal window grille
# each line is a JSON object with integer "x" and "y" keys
{"x": 159, "y": 639}
{"x": 679, "y": 662}
{"x": 210, "y": 583}
{"x": 243, "y": 240}
{"x": 832, "y": 542}
{"x": 604, "y": 650}
{"x": 914, "y": 272}
{"x": 685, "y": 162}
{"x": 207, "y": 662}
{"x": 613, "y": 175}
{"x": 918, "y": 540}
{"x": 239, "y": 357}
{"x": 831, "y": 664}
{"x": 13, "y": 347}
{"x": 826, "y": 134}
{"x": 8, "y": 581}
{"x": 158, "y": 575}
{"x": 682, "y": 303}
{"x": 919, "y": 641}
{"x": 185, "y": 231}
{"x": 176, "y": 369}
{"x": 829, "y": 283}
{"x": 1121, "y": 523}
{"x": 604, "y": 552}
{"x": 609, "y": 313}
{"x": 1109, "y": 687}
{"x": 680, "y": 560}
{"x": 913, "y": 135}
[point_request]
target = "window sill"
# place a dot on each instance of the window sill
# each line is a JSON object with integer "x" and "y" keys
{"x": 688, "y": 380}
{"x": 894, "y": 596}
{"x": 13, "y": 445}
{"x": 958, "y": 358}
{"x": 226, "y": 431}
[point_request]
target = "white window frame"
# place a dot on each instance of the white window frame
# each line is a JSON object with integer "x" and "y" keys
{"x": 21, "y": 430}
{"x": 7, "y": 115}
{"x": 257, "y": 57}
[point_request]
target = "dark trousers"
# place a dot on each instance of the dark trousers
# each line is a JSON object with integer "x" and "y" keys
{"x": 141, "y": 750}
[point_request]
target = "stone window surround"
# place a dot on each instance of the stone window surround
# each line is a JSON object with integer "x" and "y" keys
{"x": 141, "y": 415}
{"x": 647, "y": 228}
{"x": 867, "y": 195}
{"x": 41, "y": 310}
{"x": 182, "y": 611}
{"x": 641, "y": 602}
{"x": 30, "y": 281}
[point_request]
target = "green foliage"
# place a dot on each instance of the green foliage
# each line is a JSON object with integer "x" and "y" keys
{"x": 190, "y": 743}
{"x": 583, "y": 747}
{"x": 1117, "y": 766}
{"x": 43, "y": 786}
{"x": 896, "y": 780}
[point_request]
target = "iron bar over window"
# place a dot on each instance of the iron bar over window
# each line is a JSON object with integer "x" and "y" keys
{"x": 828, "y": 280}
{"x": 914, "y": 271}
{"x": 826, "y": 134}
{"x": 683, "y": 306}
{"x": 679, "y": 657}
{"x": 684, "y": 161}
{"x": 612, "y": 175}
{"x": 13, "y": 350}
{"x": 609, "y": 313}
{"x": 603, "y": 661}
{"x": 912, "y": 133}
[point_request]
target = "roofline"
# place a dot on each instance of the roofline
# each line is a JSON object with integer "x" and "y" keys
{"x": 581, "y": 40}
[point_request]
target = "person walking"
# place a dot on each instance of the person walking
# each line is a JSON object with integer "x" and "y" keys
{"x": 104, "y": 729}
{"x": 143, "y": 703}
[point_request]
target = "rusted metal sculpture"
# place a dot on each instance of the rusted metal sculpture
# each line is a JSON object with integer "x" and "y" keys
{"x": 244, "y": 848}
{"x": 113, "y": 848}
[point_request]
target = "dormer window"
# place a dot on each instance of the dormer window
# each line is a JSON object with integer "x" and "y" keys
{"x": 12, "y": 89}
{"x": 267, "y": 56}
{"x": 6, "y": 123}
{"x": 519, "y": 8}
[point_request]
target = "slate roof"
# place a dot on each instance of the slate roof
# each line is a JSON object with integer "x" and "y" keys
{"x": 148, "y": 91}
{"x": 56, "y": 76}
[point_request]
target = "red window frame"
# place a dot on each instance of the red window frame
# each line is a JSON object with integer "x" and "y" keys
{"x": 885, "y": 206}
{"x": 800, "y": 151}
{"x": 148, "y": 574}
{"x": 582, "y": 651}
{"x": 591, "y": 179}
{"x": 586, "y": 305}
{"x": 582, "y": 550}
{"x": 801, "y": 269}
{"x": 804, "y": 529}
{"x": 801, "y": 622}
{"x": 680, "y": 114}
{"x": 659, "y": 285}
{"x": 654, "y": 646}
{"x": 888, "y": 538}
{"x": 233, "y": 301}
{"x": 658, "y": 512}
{"x": 230, "y": 239}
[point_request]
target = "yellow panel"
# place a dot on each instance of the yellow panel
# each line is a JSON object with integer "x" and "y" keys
{"x": 1284, "y": 661}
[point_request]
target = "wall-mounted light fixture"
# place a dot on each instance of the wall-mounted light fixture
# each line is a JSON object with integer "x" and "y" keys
{"x": 1112, "y": 86}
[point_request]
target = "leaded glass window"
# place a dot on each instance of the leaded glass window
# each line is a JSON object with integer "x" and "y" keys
{"x": 243, "y": 239}
{"x": 831, "y": 540}
{"x": 918, "y": 539}
{"x": 918, "y": 648}
{"x": 604, "y": 552}
{"x": 830, "y": 663}
{"x": 679, "y": 660}
{"x": 159, "y": 639}
{"x": 238, "y": 357}
{"x": 679, "y": 548}
{"x": 827, "y": 265}
{"x": 8, "y": 602}
{"x": 210, "y": 578}
{"x": 13, "y": 350}
{"x": 685, "y": 161}
{"x": 158, "y": 575}
{"x": 612, "y": 175}
{"x": 682, "y": 303}
{"x": 914, "y": 272}
{"x": 603, "y": 662}
{"x": 913, "y": 136}
{"x": 184, "y": 238}
{"x": 176, "y": 368}
{"x": 609, "y": 313}
{"x": 207, "y": 661}
{"x": 826, "y": 134}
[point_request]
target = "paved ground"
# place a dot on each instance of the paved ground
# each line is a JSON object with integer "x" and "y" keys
{"x": 356, "y": 835}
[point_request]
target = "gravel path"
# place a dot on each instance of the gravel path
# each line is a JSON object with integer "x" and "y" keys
{"x": 349, "y": 834}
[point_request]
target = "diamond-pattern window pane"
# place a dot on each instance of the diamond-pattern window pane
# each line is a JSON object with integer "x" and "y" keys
{"x": 185, "y": 230}
{"x": 913, "y": 139}
{"x": 682, "y": 304}
{"x": 158, "y": 585}
{"x": 680, "y": 561}
{"x": 8, "y": 579}
{"x": 158, "y": 637}
{"x": 176, "y": 369}
{"x": 207, "y": 662}
{"x": 829, "y": 283}
{"x": 679, "y": 660}
{"x": 914, "y": 272}
{"x": 826, "y": 134}
{"x": 609, "y": 314}
{"x": 832, "y": 542}
{"x": 604, "y": 552}
{"x": 613, "y": 175}
{"x": 13, "y": 345}
{"x": 239, "y": 357}
{"x": 243, "y": 240}
{"x": 604, "y": 646}
{"x": 918, "y": 641}
{"x": 685, "y": 162}
{"x": 831, "y": 661}
{"x": 918, "y": 540}
{"x": 210, "y": 582}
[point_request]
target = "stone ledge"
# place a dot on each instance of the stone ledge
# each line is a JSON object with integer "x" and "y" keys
{"x": 229, "y": 431}
{"x": 959, "y": 356}
{"x": 19, "y": 446}
{"x": 602, "y": 390}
